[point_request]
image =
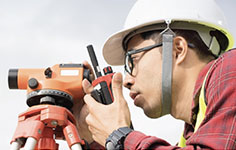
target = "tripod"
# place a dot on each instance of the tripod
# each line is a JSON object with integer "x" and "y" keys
{"x": 40, "y": 125}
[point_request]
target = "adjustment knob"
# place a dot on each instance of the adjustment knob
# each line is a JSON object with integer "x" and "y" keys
{"x": 107, "y": 70}
{"x": 48, "y": 73}
{"x": 33, "y": 83}
{"x": 47, "y": 100}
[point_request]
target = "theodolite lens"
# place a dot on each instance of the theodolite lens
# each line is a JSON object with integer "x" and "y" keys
{"x": 12, "y": 78}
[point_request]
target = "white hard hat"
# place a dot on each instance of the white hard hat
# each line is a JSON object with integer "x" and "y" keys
{"x": 202, "y": 16}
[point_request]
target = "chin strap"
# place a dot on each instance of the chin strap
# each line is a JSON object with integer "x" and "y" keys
{"x": 167, "y": 42}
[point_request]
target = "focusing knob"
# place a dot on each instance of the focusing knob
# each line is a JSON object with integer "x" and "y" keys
{"x": 86, "y": 75}
{"x": 107, "y": 70}
{"x": 33, "y": 83}
{"x": 48, "y": 73}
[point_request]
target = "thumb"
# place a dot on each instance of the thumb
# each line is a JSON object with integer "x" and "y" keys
{"x": 117, "y": 83}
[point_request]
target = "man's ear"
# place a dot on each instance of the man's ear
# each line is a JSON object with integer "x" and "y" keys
{"x": 180, "y": 49}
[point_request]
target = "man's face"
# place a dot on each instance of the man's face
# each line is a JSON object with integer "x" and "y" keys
{"x": 145, "y": 82}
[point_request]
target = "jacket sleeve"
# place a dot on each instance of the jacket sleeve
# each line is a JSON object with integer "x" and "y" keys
{"x": 137, "y": 140}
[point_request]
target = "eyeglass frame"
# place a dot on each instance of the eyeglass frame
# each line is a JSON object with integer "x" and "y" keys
{"x": 135, "y": 51}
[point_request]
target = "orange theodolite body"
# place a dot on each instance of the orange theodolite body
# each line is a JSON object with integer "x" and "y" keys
{"x": 63, "y": 82}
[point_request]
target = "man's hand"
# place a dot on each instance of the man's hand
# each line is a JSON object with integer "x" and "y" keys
{"x": 104, "y": 119}
{"x": 80, "y": 112}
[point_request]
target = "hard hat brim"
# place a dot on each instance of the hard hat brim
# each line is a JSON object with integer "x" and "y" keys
{"x": 113, "y": 50}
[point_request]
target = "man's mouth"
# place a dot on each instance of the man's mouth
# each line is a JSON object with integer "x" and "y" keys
{"x": 133, "y": 94}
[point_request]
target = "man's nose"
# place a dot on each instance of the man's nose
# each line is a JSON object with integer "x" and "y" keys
{"x": 128, "y": 81}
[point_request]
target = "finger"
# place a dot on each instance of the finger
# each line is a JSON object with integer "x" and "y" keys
{"x": 92, "y": 104}
{"x": 87, "y": 87}
{"x": 117, "y": 83}
{"x": 92, "y": 126}
{"x": 88, "y": 66}
{"x": 88, "y": 120}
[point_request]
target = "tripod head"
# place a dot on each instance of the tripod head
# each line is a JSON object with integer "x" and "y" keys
{"x": 58, "y": 85}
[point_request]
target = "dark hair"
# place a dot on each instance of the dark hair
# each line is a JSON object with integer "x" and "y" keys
{"x": 192, "y": 37}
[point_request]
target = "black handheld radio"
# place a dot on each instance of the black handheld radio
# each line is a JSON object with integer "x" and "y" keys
{"x": 103, "y": 93}
{"x": 102, "y": 85}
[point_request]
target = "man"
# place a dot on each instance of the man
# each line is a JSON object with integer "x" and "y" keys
{"x": 170, "y": 49}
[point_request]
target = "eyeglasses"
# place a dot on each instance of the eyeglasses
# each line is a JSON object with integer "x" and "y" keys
{"x": 129, "y": 64}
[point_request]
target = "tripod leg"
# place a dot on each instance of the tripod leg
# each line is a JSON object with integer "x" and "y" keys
{"x": 76, "y": 147}
{"x": 16, "y": 145}
{"x": 30, "y": 143}
{"x": 72, "y": 137}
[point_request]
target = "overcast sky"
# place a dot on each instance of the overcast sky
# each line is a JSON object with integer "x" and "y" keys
{"x": 41, "y": 33}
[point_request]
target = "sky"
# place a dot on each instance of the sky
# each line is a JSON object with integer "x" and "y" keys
{"x": 40, "y": 34}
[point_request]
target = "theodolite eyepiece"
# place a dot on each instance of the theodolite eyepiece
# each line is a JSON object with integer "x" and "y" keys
{"x": 12, "y": 79}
